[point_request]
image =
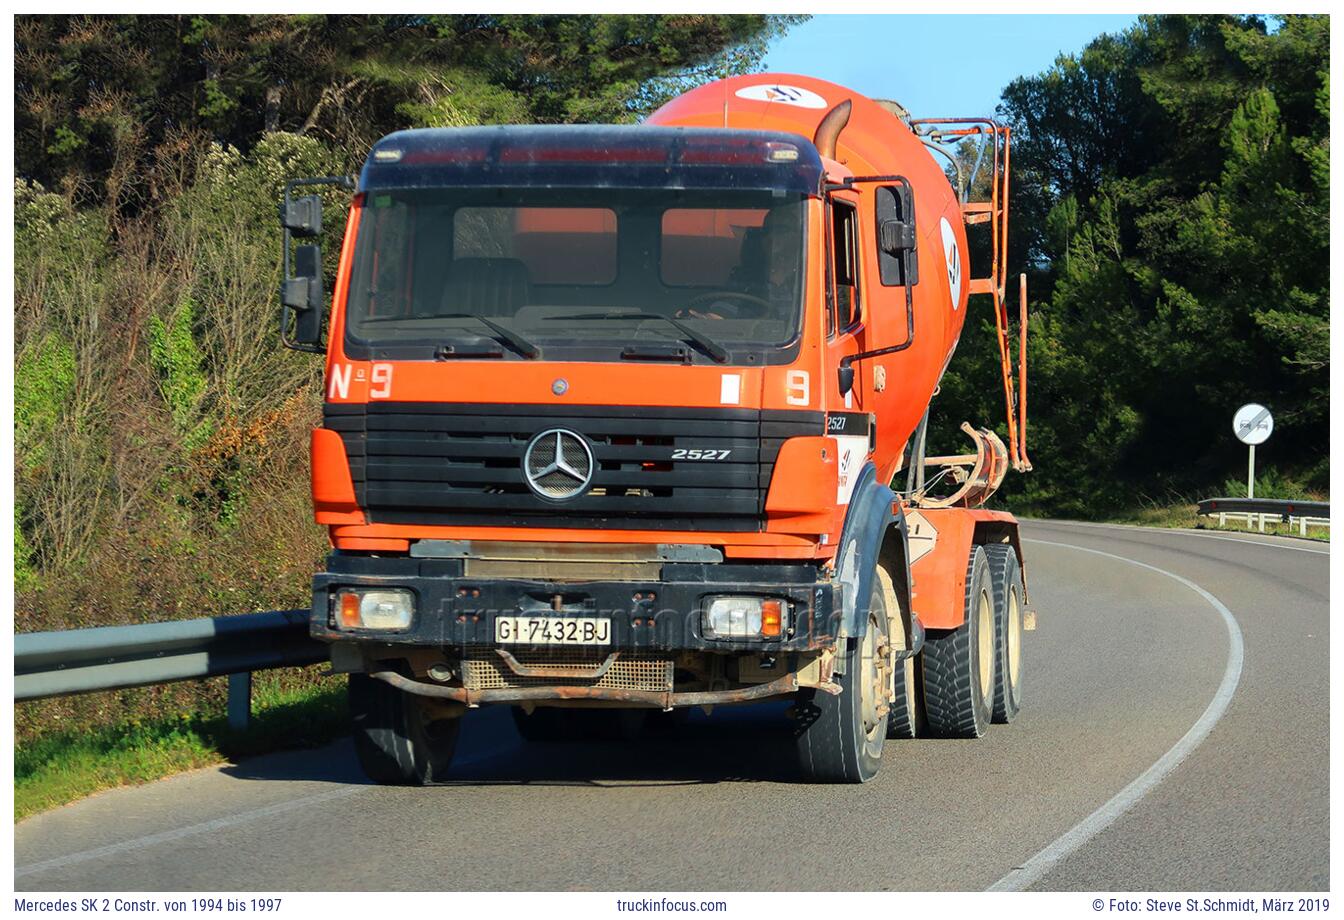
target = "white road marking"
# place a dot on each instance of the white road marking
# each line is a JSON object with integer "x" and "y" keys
{"x": 1186, "y": 532}
{"x": 1037, "y": 866}
{"x": 206, "y": 827}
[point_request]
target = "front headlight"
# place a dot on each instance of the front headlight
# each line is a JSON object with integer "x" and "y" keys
{"x": 370, "y": 608}
{"x": 731, "y": 617}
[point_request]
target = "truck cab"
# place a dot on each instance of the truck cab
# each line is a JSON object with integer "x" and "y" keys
{"x": 593, "y": 436}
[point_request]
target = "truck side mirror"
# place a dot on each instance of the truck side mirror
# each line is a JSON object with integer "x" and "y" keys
{"x": 846, "y": 373}
{"x": 303, "y": 292}
{"x": 896, "y": 236}
{"x": 302, "y": 217}
{"x": 303, "y": 295}
{"x": 302, "y": 299}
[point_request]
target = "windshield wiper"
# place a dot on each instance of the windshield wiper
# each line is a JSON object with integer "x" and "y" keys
{"x": 488, "y": 348}
{"x": 502, "y": 333}
{"x": 699, "y": 339}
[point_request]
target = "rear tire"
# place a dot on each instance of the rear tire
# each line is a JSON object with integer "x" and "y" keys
{"x": 398, "y": 740}
{"x": 1005, "y": 574}
{"x": 840, "y": 738}
{"x": 958, "y": 664}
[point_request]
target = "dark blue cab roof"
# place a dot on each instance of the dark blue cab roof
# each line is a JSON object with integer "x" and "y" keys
{"x": 594, "y": 156}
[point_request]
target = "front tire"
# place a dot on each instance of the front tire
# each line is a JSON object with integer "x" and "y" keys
{"x": 958, "y": 664}
{"x": 1006, "y": 577}
{"x": 399, "y": 738}
{"x": 840, "y": 738}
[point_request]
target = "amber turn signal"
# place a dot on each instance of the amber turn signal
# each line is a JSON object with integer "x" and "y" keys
{"x": 772, "y": 618}
{"x": 350, "y": 611}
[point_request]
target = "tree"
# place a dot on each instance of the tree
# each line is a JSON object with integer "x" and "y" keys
{"x": 1170, "y": 198}
{"x": 96, "y": 96}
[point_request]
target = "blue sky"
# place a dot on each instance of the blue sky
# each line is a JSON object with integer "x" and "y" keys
{"x": 934, "y": 65}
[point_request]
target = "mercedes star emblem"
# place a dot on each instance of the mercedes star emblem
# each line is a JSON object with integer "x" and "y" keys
{"x": 559, "y": 465}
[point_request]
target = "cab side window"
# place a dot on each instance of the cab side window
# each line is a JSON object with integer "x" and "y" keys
{"x": 845, "y": 263}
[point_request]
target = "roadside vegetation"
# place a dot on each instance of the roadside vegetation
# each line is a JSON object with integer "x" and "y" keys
{"x": 1170, "y": 201}
{"x": 59, "y": 767}
{"x": 1182, "y": 510}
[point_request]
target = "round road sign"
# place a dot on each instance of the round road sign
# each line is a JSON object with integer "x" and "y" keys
{"x": 1253, "y": 424}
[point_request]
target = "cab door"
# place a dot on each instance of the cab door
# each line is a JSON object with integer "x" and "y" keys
{"x": 849, "y": 416}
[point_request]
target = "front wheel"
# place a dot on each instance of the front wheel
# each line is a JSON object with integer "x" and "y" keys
{"x": 840, "y": 737}
{"x": 401, "y": 739}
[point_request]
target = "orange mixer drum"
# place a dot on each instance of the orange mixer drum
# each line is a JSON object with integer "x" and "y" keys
{"x": 874, "y": 142}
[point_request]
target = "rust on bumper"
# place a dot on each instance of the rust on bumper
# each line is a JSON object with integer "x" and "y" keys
{"x": 662, "y": 700}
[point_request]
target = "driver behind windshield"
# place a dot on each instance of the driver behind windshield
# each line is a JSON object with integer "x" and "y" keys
{"x": 767, "y": 273}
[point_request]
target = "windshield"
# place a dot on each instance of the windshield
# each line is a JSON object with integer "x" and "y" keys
{"x": 592, "y": 274}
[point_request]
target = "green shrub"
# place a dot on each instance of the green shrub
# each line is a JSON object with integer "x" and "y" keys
{"x": 177, "y": 361}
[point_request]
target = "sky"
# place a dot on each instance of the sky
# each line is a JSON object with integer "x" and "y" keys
{"x": 954, "y": 65}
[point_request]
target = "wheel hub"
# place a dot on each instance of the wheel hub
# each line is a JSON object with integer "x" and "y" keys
{"x": 874, "y": 681}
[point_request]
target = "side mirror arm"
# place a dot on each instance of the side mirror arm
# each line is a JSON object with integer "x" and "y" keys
{"x": 895, "y": 237}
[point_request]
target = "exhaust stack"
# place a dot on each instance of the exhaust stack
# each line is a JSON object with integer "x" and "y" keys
{"x": 828, "y": 132}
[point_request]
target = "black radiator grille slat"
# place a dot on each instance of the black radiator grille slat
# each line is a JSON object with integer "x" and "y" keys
{"x": 593, "y": 427}
{"x": 736, "y": 476}
{"x": 440, "y": 463}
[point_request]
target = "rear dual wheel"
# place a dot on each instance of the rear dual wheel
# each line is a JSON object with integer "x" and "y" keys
{"x": 959, "y": 664}
{"x": 1006, "y": 580}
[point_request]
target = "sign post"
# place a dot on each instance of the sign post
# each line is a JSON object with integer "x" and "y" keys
{"x": 1252, "y": 425}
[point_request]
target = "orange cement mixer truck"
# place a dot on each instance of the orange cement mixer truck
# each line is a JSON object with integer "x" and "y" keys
{"x": 628, "y": 420}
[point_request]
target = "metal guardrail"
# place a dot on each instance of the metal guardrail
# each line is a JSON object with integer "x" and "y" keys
{"x": 1303, "y": 513}
{"x": 113, "y": 657}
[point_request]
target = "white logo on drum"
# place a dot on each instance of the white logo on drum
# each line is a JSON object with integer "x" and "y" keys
{"x": 952, "y": 254}
{"x": 783, "y": 94}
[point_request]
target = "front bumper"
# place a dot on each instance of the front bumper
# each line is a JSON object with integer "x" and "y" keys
{"x": 454, "y": 610}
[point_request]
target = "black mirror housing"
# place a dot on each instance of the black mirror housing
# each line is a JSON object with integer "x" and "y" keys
{"x": 897, "y": 249}
{"x": 896, "y": 236}
{"x": 301, "y": 294}
{"x": 302, "y": 217}
{"x": 303, "y": 291}
{"x": 846, "y": 381}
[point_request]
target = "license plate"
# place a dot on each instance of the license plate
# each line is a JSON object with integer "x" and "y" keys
{"x": 552, "y": 631}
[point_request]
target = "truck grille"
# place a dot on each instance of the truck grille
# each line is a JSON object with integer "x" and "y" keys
{"x": 441, "y": 463}
{"x": 486, "y": 671}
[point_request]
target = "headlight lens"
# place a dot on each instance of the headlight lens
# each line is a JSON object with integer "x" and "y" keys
{"x": 383, "y": 608}
{"x": 742, "y": 618}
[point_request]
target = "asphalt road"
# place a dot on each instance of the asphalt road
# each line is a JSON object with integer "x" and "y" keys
{"x": 1174, "y": 736}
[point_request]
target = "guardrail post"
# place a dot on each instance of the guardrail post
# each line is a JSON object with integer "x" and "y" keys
{"x": 240, "y": 700}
